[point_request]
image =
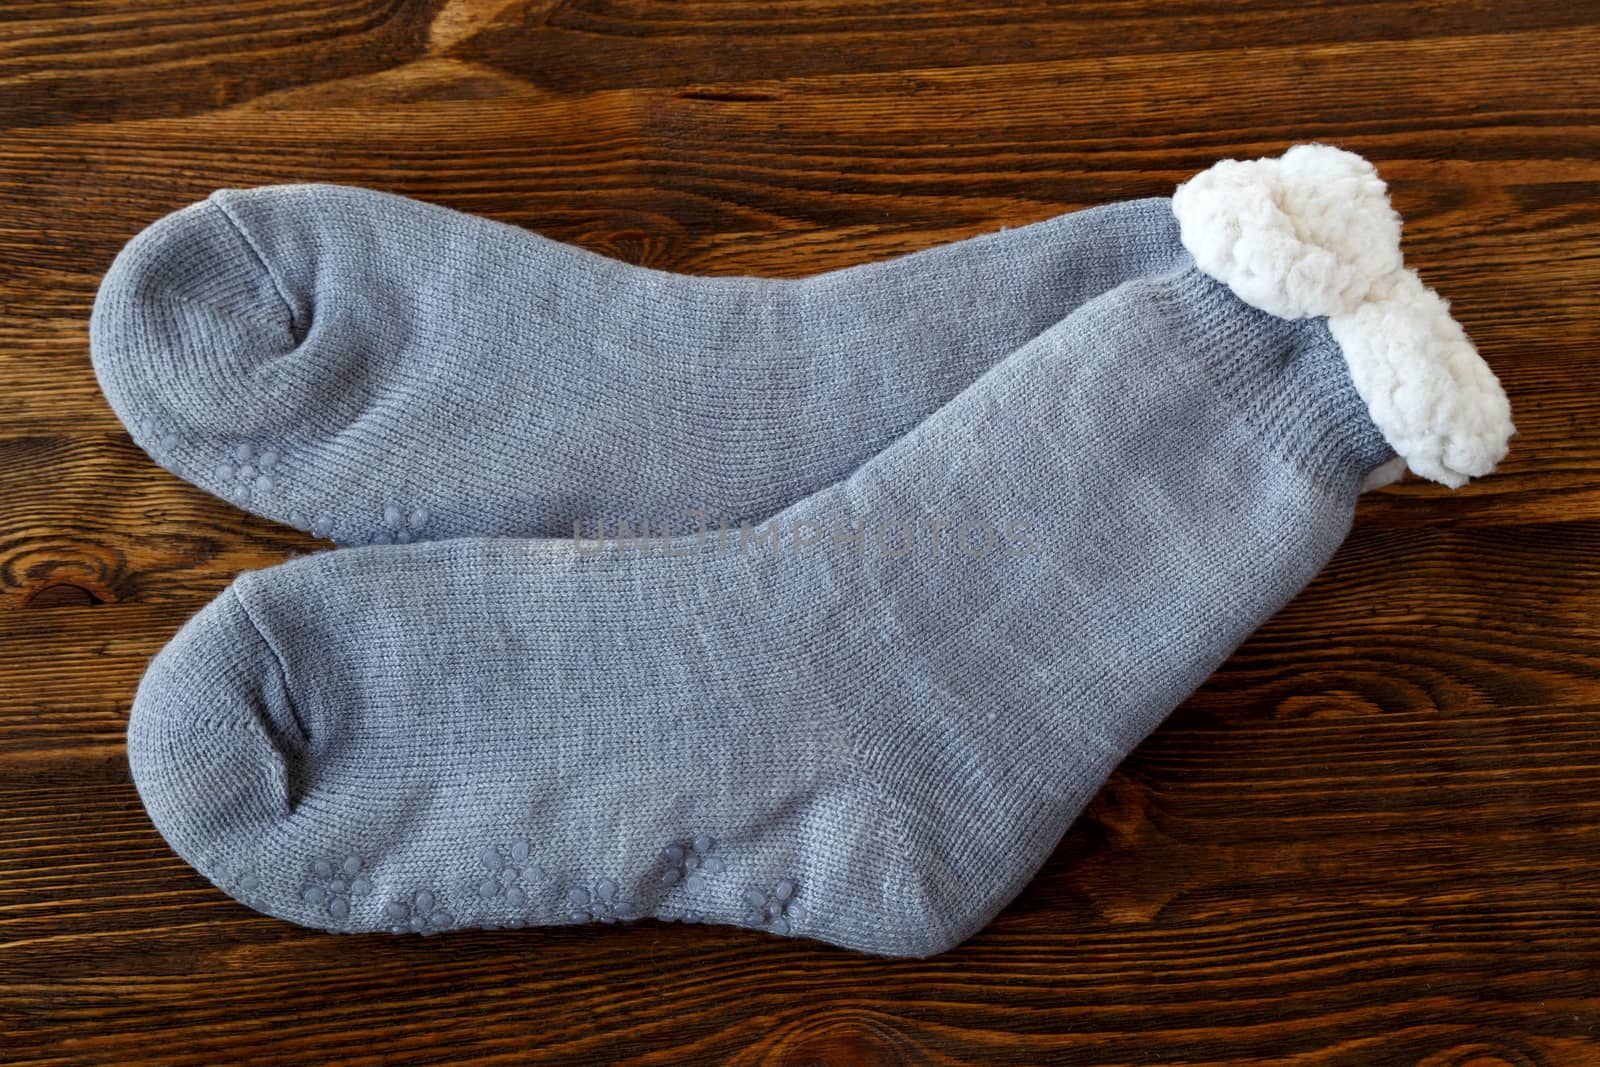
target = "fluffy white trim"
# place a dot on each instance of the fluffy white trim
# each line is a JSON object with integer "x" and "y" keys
{"x": 1311, "y": 233}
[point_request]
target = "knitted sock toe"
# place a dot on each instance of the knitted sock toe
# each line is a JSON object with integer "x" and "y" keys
{"x": 372, "y": 368}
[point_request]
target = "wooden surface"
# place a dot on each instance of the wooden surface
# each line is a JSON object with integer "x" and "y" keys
{"x": 1372, "y": 838}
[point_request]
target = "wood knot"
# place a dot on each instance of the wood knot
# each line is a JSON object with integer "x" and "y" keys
{"x": 853, "y": 1042}
{"x": 62, "y": 595}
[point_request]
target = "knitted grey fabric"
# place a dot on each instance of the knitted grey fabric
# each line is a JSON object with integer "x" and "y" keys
{"x": 375, "y": 369}
{"x": 825, "y": 735}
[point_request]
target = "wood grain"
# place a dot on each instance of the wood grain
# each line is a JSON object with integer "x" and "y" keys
{"x": 1371, "y": 838}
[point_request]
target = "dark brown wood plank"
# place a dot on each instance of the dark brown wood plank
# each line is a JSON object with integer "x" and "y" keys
{"x": 607, "y": 44}
{"x": 1369, "y": 839}
{"x": 73, "y": 62}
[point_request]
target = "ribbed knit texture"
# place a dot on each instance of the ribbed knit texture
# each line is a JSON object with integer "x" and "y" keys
{"x": 372, "y": 368}
{"x": 872, "y": 747}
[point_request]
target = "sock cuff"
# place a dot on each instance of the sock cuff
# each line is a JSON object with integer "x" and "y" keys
{"x": 1286, "y": 378}
{"x": 1310, "y": 234}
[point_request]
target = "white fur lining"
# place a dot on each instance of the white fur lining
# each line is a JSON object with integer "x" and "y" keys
{"x": 1311, "y": 233}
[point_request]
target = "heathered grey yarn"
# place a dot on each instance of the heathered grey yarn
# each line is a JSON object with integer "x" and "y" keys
{"x": 874, "y": 748}
{"x": 374, "y": 369}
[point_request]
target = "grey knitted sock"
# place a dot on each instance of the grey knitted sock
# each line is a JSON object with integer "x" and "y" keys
{"x": 374, "y": 369}
{"x": 867, "y": 720}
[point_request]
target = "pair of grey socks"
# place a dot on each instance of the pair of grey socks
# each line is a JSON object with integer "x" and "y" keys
{"x": 932, "y": 543}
